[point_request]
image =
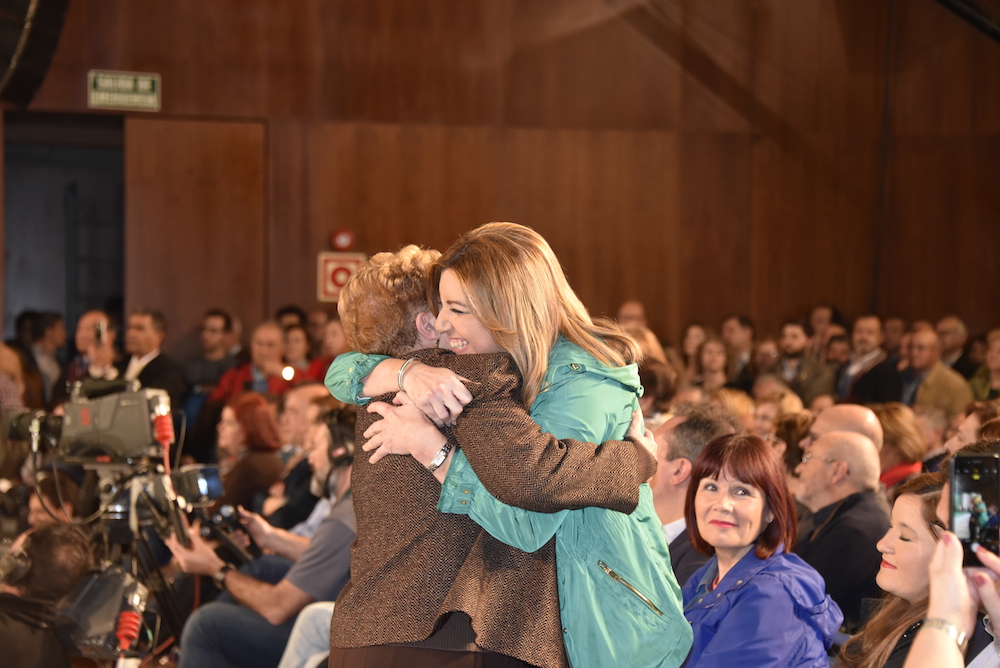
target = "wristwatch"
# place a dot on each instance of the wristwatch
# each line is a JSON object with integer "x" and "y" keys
{"x": 220, "y": 577}
{"x": 439, "y": 458}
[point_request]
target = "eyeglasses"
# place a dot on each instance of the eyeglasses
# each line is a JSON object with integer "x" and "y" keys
{"x": 806, "y": 456}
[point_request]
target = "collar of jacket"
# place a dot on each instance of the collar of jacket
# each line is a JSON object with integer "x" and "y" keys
{"x": 567, "y": 360}
{"x": 741, "y": 573}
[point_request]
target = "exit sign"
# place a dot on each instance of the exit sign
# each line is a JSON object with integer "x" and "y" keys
{"x": 138, "y": 91}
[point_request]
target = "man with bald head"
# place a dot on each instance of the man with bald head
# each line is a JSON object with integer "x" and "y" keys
{"x": 846, "y": 417}
{"x": 838, "y": 481}
{"x": 929, "y": 382}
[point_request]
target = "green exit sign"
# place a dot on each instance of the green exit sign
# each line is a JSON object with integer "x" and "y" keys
{"x": 138, "y": 91}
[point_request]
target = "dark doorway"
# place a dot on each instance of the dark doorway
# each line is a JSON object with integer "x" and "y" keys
{"x": 64, "y": 215}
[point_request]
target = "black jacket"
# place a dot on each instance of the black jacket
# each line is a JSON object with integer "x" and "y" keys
{"x": 684, "y": 559}
{"x": 841, "y": 546}
{"x": 877, "y": 385}
{"x": 26, "y": 634}
{"x": 162, "y": 373}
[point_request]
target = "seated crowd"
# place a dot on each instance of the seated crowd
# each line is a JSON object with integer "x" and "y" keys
{"x": 857, "y": 425}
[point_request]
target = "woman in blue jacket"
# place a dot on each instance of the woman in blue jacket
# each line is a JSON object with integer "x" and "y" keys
{"x": 501, "y": 288}
{"x": 753, "y": 604}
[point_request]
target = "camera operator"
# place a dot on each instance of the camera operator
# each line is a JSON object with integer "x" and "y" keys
{"x": 42, "y": 567}
{"x": 45, "y": 507}
{"x": 249, "y": 624}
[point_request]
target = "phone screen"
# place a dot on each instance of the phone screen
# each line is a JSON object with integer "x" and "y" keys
{"x": 975, "y": 500}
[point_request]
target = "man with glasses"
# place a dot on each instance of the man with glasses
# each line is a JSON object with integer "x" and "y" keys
{"x": 838, "y": 482}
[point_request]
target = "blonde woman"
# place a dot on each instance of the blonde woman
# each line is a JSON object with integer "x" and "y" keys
{"x": 902, "y": 453}
{"x": 500, "y": 288}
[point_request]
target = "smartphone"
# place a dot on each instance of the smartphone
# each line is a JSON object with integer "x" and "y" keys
{"x": 975, "y": 503}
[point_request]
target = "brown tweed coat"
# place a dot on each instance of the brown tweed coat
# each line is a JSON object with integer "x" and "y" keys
{"x": 411, "y": 565}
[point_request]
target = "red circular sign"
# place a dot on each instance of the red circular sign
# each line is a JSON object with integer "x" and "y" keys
{"x": 342, "y": 239}
{"x": 340, "y": 276}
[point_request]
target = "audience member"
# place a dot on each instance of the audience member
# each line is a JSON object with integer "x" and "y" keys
{"x": 738, "y": 333}
{"x": 291, "y": 500}
{"x": 711, "y": 364}
{"x": 248, "y": 440}
{"x": 689, "y": 394}
{"x": 694, "y": 335}
{"x": 846, "y": 417}
{"x": 680, "y": 441}
{"x": 316, "y": 327}
{"x": 977, "y": 349}
{"x": 262, "y": 374}
{"x": 893, "y": 329}
{"x": 805, "y": 375}
{"x": 11, "y": 379}
{"x": 96, "y": 355}
{"x": 906, "y": 550}
{"x": 838, "y": 481}
{"x": 870, "y": 376}
{"x": 297, "y": 347}
{"x": 49, "y": 339}
{"x": 287, "y": 316}
{"x": 903, "y": 446}
{"x": 657, "y": 392}
{"x": 56, "y": 500}
{"x": 753, "y": 603}
{"x": 986, "y": 381}
{"x": 990, "y": 431}
{"x": 976, "y": 415}
{"x": 953, "y": 336}
{"x": 43, "y": 566}
{"x": 249, "y": 624}
{"x": 928, "y": 382}
{"x": 792, "y": 429}
{"x": 771, "y": 407}
{"x": 631, "y": 313}
{"x": 739, "y": 404}
{"x": 821, "y": 402}
{"x": 202, "y": 372}
{"x": 144, "y": 334}
{"x": 933, "y": 423}
{"x": 334, "y": 341}
{"x": 836, "y": 352}
{"x": 821, "y": 319}
{"x": 765, "y": 357}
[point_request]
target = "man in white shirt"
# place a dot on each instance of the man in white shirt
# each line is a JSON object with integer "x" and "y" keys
{"x": 144, "y": 334}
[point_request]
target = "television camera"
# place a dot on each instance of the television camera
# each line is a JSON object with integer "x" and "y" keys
{"x": 121, "y": 434}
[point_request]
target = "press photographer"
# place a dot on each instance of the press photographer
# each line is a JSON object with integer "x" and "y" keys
{"x": 42, "y": 567}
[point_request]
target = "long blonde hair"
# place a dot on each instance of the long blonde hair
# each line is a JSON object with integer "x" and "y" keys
{"x": 516, "y": 288}
{"x": 872, "y": 646}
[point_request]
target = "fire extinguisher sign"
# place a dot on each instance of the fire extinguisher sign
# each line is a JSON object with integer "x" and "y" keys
{"x": 333, "y": 271}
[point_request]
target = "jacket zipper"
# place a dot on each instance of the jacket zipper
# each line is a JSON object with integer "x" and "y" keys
{"x": 619, "y": 579}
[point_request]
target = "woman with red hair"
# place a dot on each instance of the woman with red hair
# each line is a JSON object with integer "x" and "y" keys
{"x": 248, "y": 441}
{"x": 754, "y": 603}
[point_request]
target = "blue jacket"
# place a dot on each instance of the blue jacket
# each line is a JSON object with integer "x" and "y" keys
{"x": 770, "y": 613}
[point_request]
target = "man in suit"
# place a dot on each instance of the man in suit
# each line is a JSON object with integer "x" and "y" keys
{"x": 869, "y": 376}
{"x": 681, "y": 439}
{"x": 144, "y": 334}
{"x": 929, "y": 382}
{"x": 738, "y": 333}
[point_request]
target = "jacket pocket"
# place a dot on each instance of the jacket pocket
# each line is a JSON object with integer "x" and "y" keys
{"x": 625, "y": 583}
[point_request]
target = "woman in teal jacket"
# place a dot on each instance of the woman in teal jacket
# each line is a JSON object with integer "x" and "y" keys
{"x": 501, "y": 288}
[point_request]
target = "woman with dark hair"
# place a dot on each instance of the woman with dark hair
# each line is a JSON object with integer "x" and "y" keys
{"x": 712, "y": 364}
{"x": 753, "y": 603}
{"x": 906, "y": 549}
{"x": 248, "y": 441}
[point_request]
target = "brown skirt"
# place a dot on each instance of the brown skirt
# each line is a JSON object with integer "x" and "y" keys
{"x": 382, "y": 656}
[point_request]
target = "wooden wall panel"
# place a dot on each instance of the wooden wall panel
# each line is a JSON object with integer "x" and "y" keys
{"x": 775, "y": 153}
{"x": 195, "y": 221}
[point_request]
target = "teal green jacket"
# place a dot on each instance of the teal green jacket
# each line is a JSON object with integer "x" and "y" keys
{"x": 619, "y": 601}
